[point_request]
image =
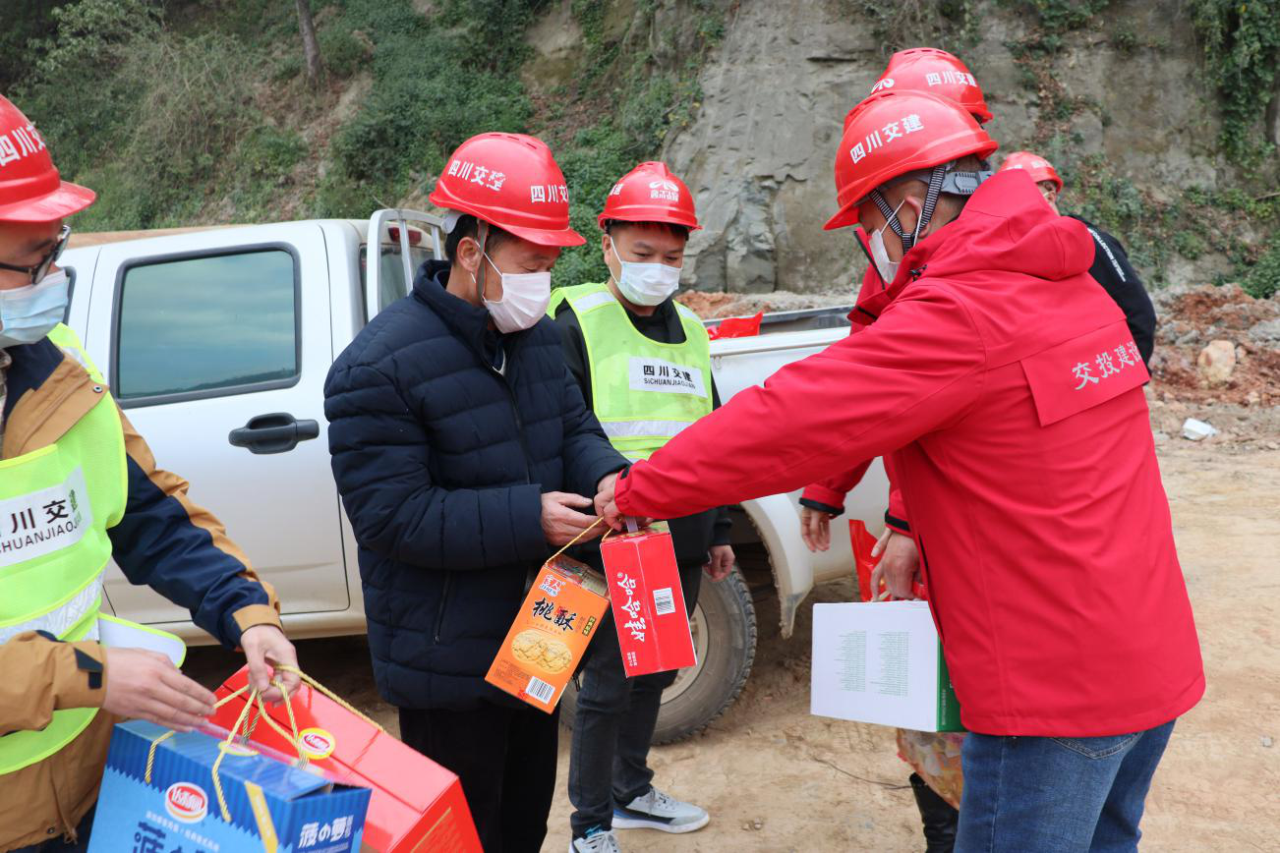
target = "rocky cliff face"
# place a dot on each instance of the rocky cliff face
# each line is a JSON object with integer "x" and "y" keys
{"x": 759, "y": 150}
{"x": 776, "y": 92}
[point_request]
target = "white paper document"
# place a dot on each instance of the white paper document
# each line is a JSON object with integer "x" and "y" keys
{"x": 119, "y": 633}
{"x": 876, "y": 662}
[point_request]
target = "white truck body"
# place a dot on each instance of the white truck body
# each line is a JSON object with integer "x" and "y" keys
{"x": 155, "y": 314}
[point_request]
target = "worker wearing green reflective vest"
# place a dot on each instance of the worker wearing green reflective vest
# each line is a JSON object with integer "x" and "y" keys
{"x": 644, "y": 363}
{"x": 78, "y": 488}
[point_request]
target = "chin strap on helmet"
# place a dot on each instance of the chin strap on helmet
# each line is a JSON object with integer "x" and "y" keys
{"x": 940, "y": 179}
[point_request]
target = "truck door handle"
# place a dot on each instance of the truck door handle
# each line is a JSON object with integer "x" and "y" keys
{"x": 277, "y": 433}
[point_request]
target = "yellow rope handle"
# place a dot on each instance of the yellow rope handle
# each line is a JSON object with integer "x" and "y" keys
{"x": 256, "y": 701}
{"x": 151, "y": 753}
{"x": 575, "y": 539}
{"x": 295, "y": 738}
{"x": 343, "y": 703}
{"x": 241, "y": 723}
{"x": 222, "y": 753}
{"x": 255, "y": 696}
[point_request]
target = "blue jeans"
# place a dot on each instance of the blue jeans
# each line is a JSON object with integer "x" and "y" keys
{"x": 1057, "y": 795}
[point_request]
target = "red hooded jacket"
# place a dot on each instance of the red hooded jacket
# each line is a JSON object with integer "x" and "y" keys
{"x": 1010, "y": 387}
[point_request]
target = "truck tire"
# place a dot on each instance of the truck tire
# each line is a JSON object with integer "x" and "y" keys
{"x": 724, "y": 636}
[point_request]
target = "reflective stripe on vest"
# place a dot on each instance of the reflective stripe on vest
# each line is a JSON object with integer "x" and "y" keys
{"x": 643, "y": 429}
{"x": 644, "y": 392}
{"x": 56, "y": 504}
{"x": 63, "y": 620}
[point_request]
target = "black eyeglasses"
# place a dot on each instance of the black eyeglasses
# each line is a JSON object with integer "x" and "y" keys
{"x": 41, "y": 269}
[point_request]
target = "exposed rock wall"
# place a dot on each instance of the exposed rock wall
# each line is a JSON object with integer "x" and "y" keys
{"x": 759, "y": 150}
{"x": 776, "y": 91}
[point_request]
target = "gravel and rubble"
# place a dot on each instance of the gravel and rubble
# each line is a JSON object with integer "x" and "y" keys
{"x": 1217, "y": 356}
{"x": 1217, "y": 360}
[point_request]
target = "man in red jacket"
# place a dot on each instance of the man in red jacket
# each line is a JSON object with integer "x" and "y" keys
{"x": 919, "y": 69}
{"x": 1011, "y": 389}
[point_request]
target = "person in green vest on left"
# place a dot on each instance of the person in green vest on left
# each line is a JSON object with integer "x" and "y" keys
{"x": 78, "y": 488}
{"x": 644, "y": 363}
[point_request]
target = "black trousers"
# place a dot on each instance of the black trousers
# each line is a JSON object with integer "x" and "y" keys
{"x": 609, "y": 762}
{"x": 506, "y": 759}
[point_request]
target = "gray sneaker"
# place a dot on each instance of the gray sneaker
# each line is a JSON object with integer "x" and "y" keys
{"x": 597, "y": 841}
{"x": 655, "y": 810}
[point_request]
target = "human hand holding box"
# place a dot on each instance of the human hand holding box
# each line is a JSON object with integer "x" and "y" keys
{"x": 415, "y": 804}
{"x": 647, "y": 602}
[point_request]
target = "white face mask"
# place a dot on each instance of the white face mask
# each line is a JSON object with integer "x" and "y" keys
{"x": 525, "y": 297}
{"x": 880, "y": 256}
{"x": 646, "y": 283}
{"x": 29, "y": 313}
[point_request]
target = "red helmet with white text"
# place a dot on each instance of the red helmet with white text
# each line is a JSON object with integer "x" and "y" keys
{"x": 892, "y": 135}
{"x": 31, "y": 189}
{"x": 509, "y": 180}
{"x": 928, "y": 69}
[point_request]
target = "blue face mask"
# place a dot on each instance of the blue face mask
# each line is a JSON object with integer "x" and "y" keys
{"x": 29, "y": 313}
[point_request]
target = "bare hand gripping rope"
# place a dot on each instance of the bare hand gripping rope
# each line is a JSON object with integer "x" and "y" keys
{"x": 244, "y": 726}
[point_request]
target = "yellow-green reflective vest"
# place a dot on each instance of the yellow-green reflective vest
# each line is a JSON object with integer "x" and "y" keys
{"x": 644, "y": 392}
{"x": 56, "y": 505}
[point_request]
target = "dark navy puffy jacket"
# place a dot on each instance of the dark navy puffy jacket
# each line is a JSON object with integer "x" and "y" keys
{"x": 441, "y": 463}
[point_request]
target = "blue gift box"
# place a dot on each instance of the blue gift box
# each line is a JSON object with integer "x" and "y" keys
{"x": 273, "y": 806}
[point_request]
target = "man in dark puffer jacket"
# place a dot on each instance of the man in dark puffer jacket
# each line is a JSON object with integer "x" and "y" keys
{"x": 464, "y": 453}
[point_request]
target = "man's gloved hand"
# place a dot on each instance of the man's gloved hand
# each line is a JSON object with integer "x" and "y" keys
{"x": 561, "y": 522}
{"x": 899, "y": 567}
{"x": 721, "y": 563}
{"x": 264, "y": 645}
{"x": 815, "y": 529}
{"x": 146, "y": 685}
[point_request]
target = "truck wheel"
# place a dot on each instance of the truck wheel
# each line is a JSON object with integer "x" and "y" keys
{"x": 724, "y": 636}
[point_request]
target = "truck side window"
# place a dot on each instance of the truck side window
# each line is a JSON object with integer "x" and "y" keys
{"x": 207, "y": 326}
{"x": 392, "y": 285}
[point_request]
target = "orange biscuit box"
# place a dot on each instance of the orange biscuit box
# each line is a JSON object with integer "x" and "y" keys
{"x": 546, "y": 643}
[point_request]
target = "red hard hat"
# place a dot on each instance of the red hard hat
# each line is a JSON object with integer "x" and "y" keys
{"x": 31, "y": 190}
{"x": 1036, "y": 166}
{"x": 509, "y": 180}
{"x": 650, "y": 193}
{"x": 928, "y": 69}
{"x": 892, "y": 133}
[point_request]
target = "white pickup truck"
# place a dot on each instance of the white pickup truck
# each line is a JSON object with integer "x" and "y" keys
{"x": 217, "y": 343}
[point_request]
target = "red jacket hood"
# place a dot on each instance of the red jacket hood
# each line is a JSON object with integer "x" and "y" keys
{"x": 1006, "y": 226}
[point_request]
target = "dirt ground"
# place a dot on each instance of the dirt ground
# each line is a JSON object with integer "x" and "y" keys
{"x": 776, "y": 779}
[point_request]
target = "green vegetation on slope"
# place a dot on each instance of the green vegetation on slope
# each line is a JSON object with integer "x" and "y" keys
{"x": 198, "y": 110}
{"x": 1242, "y": 48}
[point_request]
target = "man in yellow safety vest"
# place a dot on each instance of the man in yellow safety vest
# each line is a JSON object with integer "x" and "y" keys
{"x": 644, "y": 363}
{"x": 79, "y": 487}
